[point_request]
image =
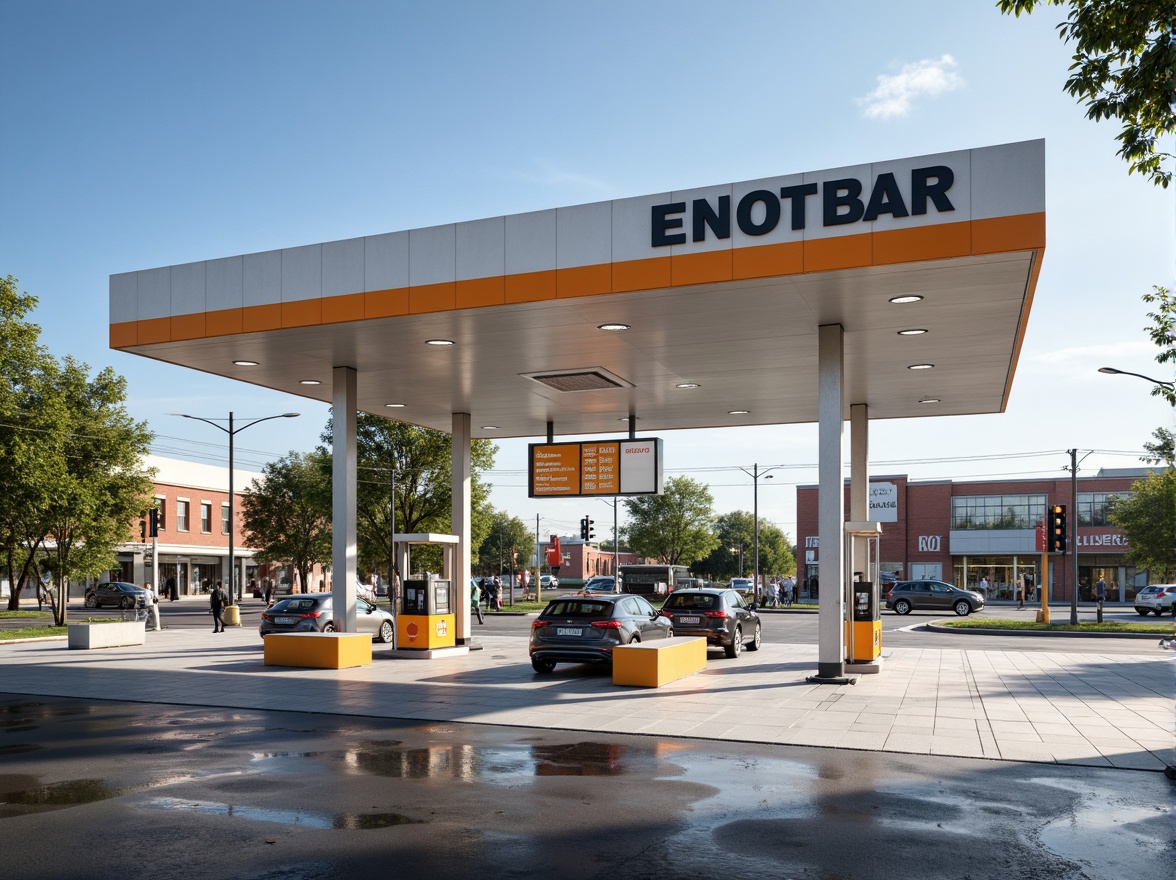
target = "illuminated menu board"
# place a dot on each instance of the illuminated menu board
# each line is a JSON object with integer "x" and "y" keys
{"x": 609, "y": 467}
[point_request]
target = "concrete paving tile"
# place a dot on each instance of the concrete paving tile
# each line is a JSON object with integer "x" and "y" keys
{"x": 1012, "y": 750}
{"x": 865, "y": 741}
{"x": 955, "y": 724}
{"x": 805, "y": 737}
{"x": 965, "y": 747}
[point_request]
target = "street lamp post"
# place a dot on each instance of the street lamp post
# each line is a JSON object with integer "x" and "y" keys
{"x": 232, "y": 432}
{"x": 1111, "y": 371}
{"x": 755, "y": 473}
{"x": 739, "y": 550}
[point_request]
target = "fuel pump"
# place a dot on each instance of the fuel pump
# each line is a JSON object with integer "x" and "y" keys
{"x": 428, "y": 608}
{"x": 863, "y": 624}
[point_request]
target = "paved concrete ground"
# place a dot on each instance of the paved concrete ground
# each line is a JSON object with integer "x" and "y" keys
{"x": 1051, "y": 707}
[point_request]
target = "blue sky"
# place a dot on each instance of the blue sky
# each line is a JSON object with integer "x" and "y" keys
{"x": 142, "y": 134}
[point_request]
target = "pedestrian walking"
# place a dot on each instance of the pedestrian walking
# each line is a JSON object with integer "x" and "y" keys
{"x": 217, "y": 602}
{"x": 789, "y": 591}
{"x": 475, "y": 601}
{"x": 1100, "y": 591}
{"x": 1024, "y": 589}
{"x": 151, "y": 604}
{"x": 984, "y": 588}
{"x": 170, "y": 588}
{"x": 268, "y": 592}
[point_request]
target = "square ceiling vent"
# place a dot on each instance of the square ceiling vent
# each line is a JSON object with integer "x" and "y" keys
{"x": 586, "y": 379}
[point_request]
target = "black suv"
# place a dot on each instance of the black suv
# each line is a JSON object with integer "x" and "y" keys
{"x": 722, "y": 617}
{"x": 907, "y": 596}
{"x": 585, "y": 627}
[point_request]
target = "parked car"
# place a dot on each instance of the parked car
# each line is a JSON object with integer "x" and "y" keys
{"x": 585, "y": 627}
{"x": 743, "y": 585}
{"x": 548, "y": 581}
{"x": 722, "y": 617}
{"x": 114, "y": 594}
{"x": 601, "y": 583}
{"x": 1157, "y": 599}
{"x": 314, "y": 613}
{"x": 907, "y": 596}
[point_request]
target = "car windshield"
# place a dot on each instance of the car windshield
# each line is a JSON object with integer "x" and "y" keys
{"x": 691, "y": 601}
{"x": 578, "y": 608}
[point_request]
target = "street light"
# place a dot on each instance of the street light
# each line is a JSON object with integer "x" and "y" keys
{"x": 738, "y": 550}
{"x": 1111, "y": 371}
{"x": 232, "y": 432}
{"x": 755, "y": 473}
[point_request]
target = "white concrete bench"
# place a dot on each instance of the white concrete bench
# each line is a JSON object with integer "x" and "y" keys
{"x": 115, "y": 634}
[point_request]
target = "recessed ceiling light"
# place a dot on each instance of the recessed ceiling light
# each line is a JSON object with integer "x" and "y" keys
{"x": 921, "y": 367}
{"x": 612, "y": 327}
{"x": 738, "y": 412}
{"x": 490, "y": 427}
{"x": 626, "y": 418}
{"x": 309, "y": 382}
{"x": 929, "y": 400}
{"x": 245, "y": 363}
{"x": 912, "y": 332}
{"x": 438, "y": 342}
{"x": 688, "y": 385}
{"x": 906, "y": 298}
{"x": 394, "y": 405}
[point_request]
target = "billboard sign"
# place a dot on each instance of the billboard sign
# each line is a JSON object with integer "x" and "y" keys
{"x": 608, "y": 467}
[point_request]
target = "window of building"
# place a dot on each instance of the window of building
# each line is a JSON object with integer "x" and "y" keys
{"x": 161, "y": 506}
{"x": 997, "y": 511}
{"x": 182, "y": 515}
{"x": 206, "y": 517}
{"x": 225, "y": 518}
{"x": 1093, "y": 506}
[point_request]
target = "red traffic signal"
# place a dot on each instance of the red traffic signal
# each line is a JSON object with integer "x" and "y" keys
{"x": 1057, "y": 528}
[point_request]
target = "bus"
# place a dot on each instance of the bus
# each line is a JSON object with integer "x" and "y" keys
{"x": 655, "y": 579}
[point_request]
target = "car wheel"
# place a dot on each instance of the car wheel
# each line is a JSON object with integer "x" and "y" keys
{"x": 670, "y": 632}
{"x": 1142, "y": 612}
{"x": 329, "y": 626}
{"x": 386, "y": 632}
{"x": 962, "y": 608}
{"x": 736, "y": 645}
{"x": 543, "y": 666}
{"x": 756, "y": 639}
{"x": 126, "y": 602}
{"x": 902, "y": 606}
{"x": 91, "y": 601}
{"x": 636, "y": 640}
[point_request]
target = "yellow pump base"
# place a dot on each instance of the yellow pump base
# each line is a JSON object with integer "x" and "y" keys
{"x": 318, "y": 650}
{"x": 652, "y": 664}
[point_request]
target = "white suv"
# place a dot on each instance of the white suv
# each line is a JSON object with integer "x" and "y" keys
{"x": 1157, "y": 598}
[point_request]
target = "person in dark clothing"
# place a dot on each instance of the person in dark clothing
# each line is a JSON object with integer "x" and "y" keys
{"x": 217, "y": 602}
{"x": 170, "y": 588}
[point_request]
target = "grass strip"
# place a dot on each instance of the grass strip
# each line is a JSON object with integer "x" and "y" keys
{"x": 1110, "y": 626}
{"x": 25, "y": 615}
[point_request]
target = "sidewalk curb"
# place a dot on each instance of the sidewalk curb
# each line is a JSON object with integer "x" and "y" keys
{"x": 981, "y": 631}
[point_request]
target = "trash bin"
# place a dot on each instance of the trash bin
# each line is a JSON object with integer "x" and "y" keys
{"x": 232, "y": 615}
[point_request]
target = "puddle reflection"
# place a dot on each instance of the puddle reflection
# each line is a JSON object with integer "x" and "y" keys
{"x": 299, "y": 818}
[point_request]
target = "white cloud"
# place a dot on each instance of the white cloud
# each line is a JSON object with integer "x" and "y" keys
{"x": 549, "y": 176}
{"x": 1083, "y": 354}
{"x": 895, "y": 94}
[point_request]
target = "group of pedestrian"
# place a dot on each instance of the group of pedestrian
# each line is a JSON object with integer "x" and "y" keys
{"x": 491, "y": 588}
{"x": 780, "y": 592}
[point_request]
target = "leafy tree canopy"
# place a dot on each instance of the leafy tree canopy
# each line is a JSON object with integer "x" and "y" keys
{"x": 1122, "y": 69}
{"x": 1146, "y": 518}
{"x": 676, "y": 527}
{"x": 508, "y": 544}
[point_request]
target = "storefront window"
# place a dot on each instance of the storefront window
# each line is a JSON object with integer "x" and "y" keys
{"x": 997, "y": 511}
{"x": 1002, "y": 573}
{"x": 1092, "y": 507}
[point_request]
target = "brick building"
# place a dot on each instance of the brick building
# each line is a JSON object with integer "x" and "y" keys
{"x": 964, "y": 531}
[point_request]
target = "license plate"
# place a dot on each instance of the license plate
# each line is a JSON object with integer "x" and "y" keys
{"x": 284, "y": 620}
{"x": 568, "y": 631}
{"x": 689, "y": 620}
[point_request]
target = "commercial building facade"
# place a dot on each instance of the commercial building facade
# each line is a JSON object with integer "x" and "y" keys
{"x": 963, "y": 532}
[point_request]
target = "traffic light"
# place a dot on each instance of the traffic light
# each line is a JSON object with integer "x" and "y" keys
{"x": 1057, "y": 528}
{"x": 588, "y": 528}
{"x": 154, "y": 516}
{"x": 584, "y": 528}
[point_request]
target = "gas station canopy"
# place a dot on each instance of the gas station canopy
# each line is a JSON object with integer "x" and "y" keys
{"x": 928, "y": 264}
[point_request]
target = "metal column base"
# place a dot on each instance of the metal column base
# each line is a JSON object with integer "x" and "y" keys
{"x": 830, "y": 679}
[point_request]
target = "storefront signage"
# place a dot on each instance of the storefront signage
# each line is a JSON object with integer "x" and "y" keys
{"x": 1105, "y": 539}
{"x": 610, "y": 467}
{"x": 883, "y": 502}
{"x": 841, "y": 202}
{"x": 930, "y": 543}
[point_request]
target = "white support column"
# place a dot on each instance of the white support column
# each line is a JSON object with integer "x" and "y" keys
{"x": 344, "y": 399}
{"x": 859, "y": 480}
{"x": 831, "y": 502}
{"x": 462, "y": 484}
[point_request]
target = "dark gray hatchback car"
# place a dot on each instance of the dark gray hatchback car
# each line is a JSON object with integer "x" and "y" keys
{"x": 722, "y": 617}
{"x": 585, "y": 627}
{"x": 907, "y": 596}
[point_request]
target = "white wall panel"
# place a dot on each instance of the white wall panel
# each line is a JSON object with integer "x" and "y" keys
{"x": 302, "y": 272}
{"x": 386, "y": 261}
{"x": 432, "y": 255}
{"x": 153, "y": 293}
{"x": 343, "y": 267}
{"x": 481, "y": 248}
{"x": 225, "y": 282}
{"x": 631, "y": 228}
{"x": 584, "y": 235}
{"x": 187, "y": 289}
{"x": 531, "y": 242}
{"x": 1008, "y": 180}
{"x": 262, "y": 278}
{"x": 123, "y": 297}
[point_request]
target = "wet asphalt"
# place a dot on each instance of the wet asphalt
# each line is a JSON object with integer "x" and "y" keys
{"x": 94, "y": 789}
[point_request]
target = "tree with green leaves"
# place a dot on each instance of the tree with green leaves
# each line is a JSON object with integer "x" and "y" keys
{"x": 1122, "y": 69}
{"x": 676, "y": 527}
{"x": 423, "y": 466}
{"x": 1147, "y": 519}
{"x": 738, "y": 527}
{"x": 1162, "y": 331}
{"x": 286, "y": 515}
{"x": 1163, "y": 451}
{"x": 507, "y": 538}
